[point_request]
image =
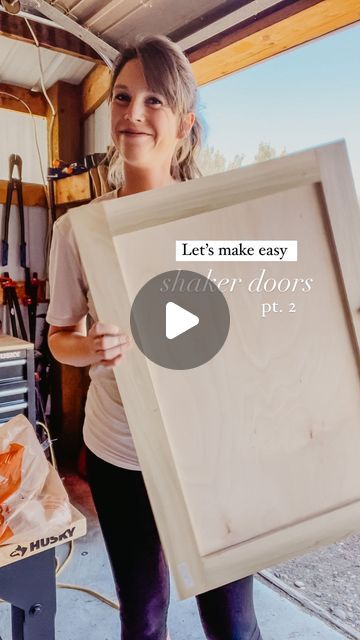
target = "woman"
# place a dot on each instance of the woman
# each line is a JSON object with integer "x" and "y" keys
{"x": 156, "y": 135}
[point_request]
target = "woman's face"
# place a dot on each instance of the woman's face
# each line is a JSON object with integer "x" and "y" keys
{"x": 134, "y": 107}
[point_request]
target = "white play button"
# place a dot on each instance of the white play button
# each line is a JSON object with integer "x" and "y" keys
{"x": 178, "y": 320}
{"x": 184, "y": 305}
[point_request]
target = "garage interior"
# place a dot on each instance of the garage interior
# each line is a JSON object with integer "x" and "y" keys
{"x": 55, "y": 61}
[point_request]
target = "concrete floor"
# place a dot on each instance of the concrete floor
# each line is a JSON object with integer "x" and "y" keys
{"x": 80, "y": 615}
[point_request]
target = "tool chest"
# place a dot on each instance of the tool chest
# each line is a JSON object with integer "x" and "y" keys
{"x": 17, "y": 384}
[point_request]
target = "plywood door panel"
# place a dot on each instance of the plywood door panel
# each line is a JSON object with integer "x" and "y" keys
{"x": 268, "y": 414}
{"x": 252, "y": 457}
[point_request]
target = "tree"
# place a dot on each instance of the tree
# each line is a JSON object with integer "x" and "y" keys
{"x": 212, "y": 161}
{"x": 236, "y": 162}
{"x": 266, "y": 152}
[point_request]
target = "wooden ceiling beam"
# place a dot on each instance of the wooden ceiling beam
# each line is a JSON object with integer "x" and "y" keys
{"x": 242, "y": 46}
{"x": 35, "y": 100}
{"x": 205, "y": 28}
{"x": 59, "y": 40}
{"x": 95, "y": 88}
{"x": 291, "y": 25}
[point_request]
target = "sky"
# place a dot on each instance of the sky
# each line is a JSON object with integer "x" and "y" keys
{"x": 299, "y": 99}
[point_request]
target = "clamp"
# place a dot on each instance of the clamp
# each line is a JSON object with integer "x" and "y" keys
{"x": 12, "y": 303}
{"x": 14, "y": 184}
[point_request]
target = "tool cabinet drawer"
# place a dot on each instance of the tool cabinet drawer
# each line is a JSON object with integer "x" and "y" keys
{"x": 13, "y": 369}
{"x": 13, "y": 391}
{"x": 17, "y": 384}
{"x": 11, "y": 410}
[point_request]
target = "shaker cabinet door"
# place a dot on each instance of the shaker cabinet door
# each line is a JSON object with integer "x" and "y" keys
{"x": 252, "y": 457}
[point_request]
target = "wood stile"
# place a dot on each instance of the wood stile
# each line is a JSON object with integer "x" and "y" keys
{"x": 250, "y": 459}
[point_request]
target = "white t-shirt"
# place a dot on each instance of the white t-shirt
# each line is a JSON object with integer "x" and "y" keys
{"x": 106, "y": 429}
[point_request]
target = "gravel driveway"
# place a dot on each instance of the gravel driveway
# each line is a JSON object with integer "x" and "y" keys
{"x": 329, "y": 578}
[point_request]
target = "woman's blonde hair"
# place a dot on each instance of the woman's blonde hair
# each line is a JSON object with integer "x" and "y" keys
{"x": 167, "y": 71}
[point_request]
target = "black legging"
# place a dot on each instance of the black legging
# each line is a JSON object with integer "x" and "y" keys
{"x": 140, "y": 571}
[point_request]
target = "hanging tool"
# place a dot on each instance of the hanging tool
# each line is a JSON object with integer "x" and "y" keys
{"x": 11, "y": 302}
{"x": 14, "y": 184}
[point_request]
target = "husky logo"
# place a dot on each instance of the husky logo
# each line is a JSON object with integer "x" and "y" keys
{"x": 42, "y": 543}
{"x": 19, "y": 551}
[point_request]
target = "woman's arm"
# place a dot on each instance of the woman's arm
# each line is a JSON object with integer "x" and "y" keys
{"x": 104, "y": 344}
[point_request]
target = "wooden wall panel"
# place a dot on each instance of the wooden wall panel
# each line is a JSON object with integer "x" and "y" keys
{"x": 33, "y": 194}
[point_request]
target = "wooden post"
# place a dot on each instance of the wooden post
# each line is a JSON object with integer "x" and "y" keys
{"x": 66, "y": 140}
{"x": 69, "y": 384}
{"x": 68, "y": 388}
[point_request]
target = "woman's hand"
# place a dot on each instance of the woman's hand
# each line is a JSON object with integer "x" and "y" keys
{"x": 107, "y": 345}
{"x": 104, "y": 344}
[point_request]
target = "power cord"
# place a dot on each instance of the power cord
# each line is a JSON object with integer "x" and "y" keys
{"x": 61, "y": 567}
{"x": 53, "y": 112}
{"x": 51, "y": 127}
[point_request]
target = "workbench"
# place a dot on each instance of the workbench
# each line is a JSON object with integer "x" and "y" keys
{"x": 28, "y": 581}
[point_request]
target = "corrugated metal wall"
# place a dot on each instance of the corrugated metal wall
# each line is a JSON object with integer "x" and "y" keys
{"x": 17, "y": 136}
{"x": 97, "y": 130}
{"x": 19, "y": 65}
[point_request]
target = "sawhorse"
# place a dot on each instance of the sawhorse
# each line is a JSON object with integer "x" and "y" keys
{"x": 29, "y": 585}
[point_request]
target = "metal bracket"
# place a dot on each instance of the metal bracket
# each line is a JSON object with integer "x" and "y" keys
{"x": 105, "y": 50}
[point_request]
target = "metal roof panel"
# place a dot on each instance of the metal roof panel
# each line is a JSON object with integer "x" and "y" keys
{"x": 19, "y": 65}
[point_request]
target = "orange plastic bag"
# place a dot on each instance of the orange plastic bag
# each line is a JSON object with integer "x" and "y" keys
{"x": 33, "y": 500}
